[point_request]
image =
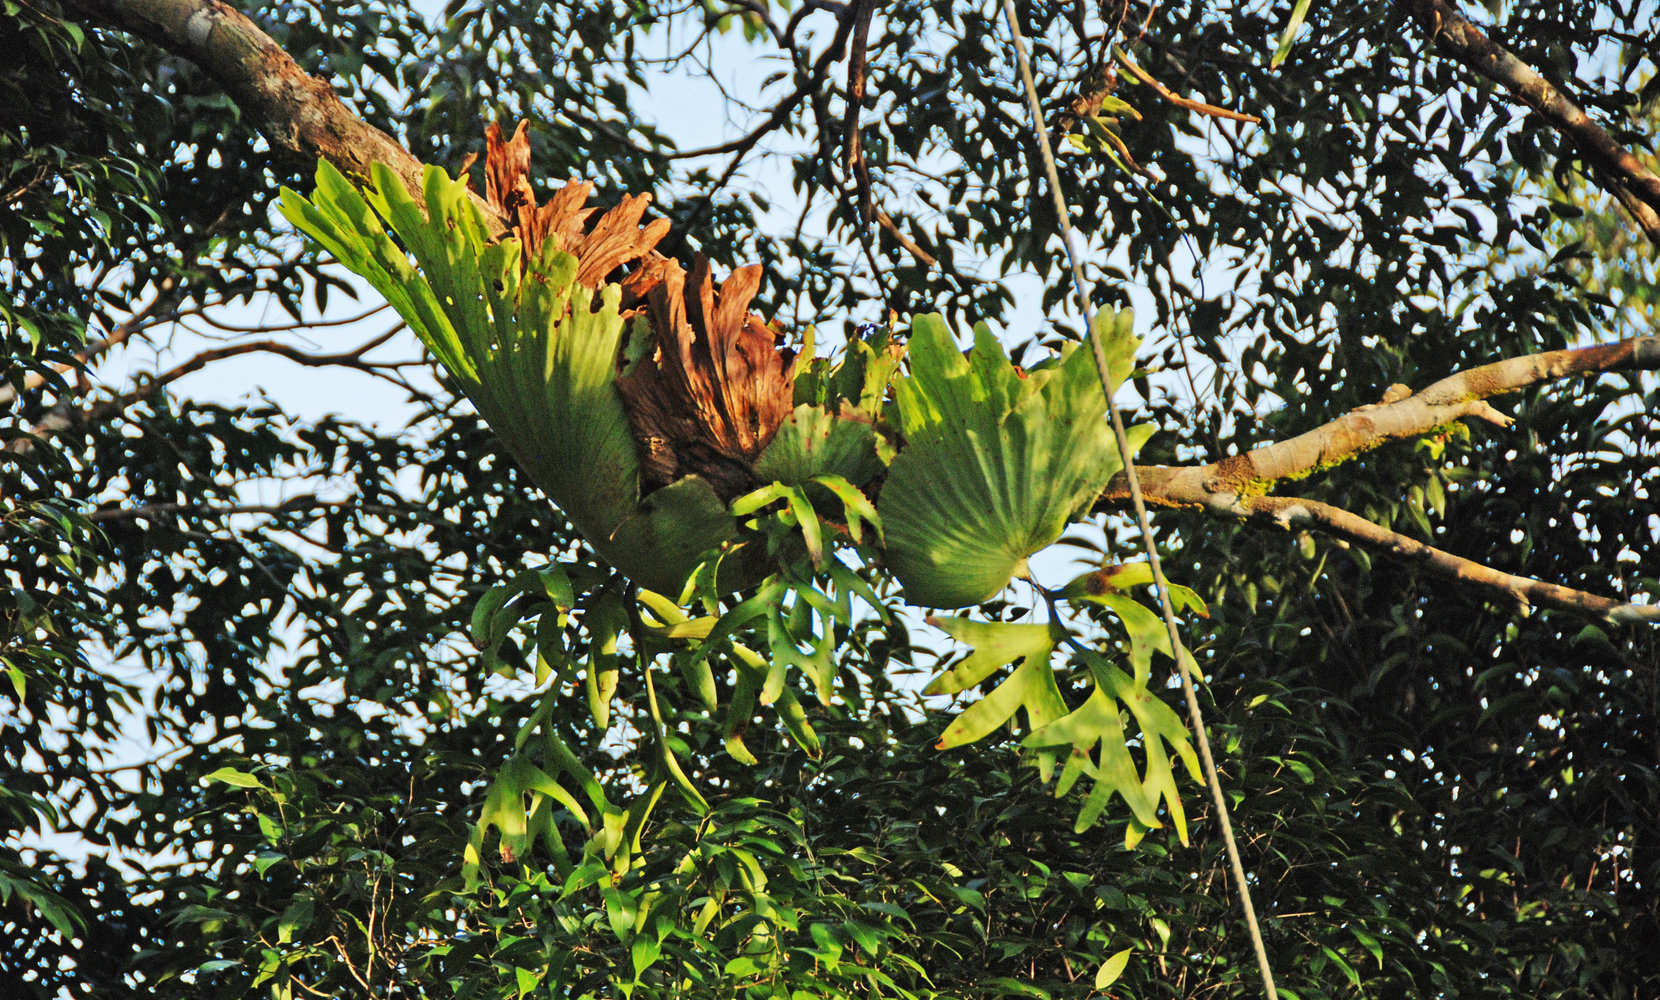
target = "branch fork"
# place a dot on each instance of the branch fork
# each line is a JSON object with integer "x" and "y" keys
{"x": 1238, "y": 487}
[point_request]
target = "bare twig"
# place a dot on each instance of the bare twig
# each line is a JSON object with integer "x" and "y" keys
{"x": 840, "y": 10}
{"x": 352, "y": 359}
{"x": 762, "y": 14}
{"x": 346, "y": 960}
{"x": 295, "y": 505}
{"x": 153, "y": 312}
{"x": 620, "y": 138}
{"x": 1186, "y": 103}
{"x": 905, "y": 241}
{"x": 805, "y": 85}
{"x": 1617, "y": 169}
{"x": 1099, "y": 77}
{"x": 302, "y": 325}
{"x": 780, "y": 112}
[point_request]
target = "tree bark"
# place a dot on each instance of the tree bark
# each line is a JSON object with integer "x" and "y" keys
{"x": 299, "y": 113}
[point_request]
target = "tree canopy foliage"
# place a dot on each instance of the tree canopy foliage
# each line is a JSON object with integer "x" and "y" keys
{"x": 317, "y": 705}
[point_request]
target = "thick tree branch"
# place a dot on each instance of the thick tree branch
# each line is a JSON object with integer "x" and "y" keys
{"x": 1401, "y": 416}
{"x": 853, "y": 153}
{"x": 297, "y": 112}
{"x": 1238, "y": 487}
{"x": 1622, "y": 174}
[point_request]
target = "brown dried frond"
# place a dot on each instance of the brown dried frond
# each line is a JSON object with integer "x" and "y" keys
{"x": 714, "y": 384}
{"x": 715, "y": 381}
{"x": 615, "y": 239}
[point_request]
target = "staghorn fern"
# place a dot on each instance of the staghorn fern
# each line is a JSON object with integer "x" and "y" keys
{"x": 643, "y": 400}
{"x": 534, "y": 350}
{"x": 996, "y": 461}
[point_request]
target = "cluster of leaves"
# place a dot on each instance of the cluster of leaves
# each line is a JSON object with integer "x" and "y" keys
{"x": 78, "y": 194}
{"x": 1441, "y": 798}
{"x": 995, "y": 462}
{"x": 903, "y": 873}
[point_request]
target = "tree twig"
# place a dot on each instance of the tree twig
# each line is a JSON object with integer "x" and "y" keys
{"x": 909, "y": 244}
{"x": 287, "y": 327}
{"x": 1186, "y": 103}
{"x": 347, "y": 359}
{"x": 295, "y": 505}
{"x": 152, "y": 312}
{"x": 740, "y": 147}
